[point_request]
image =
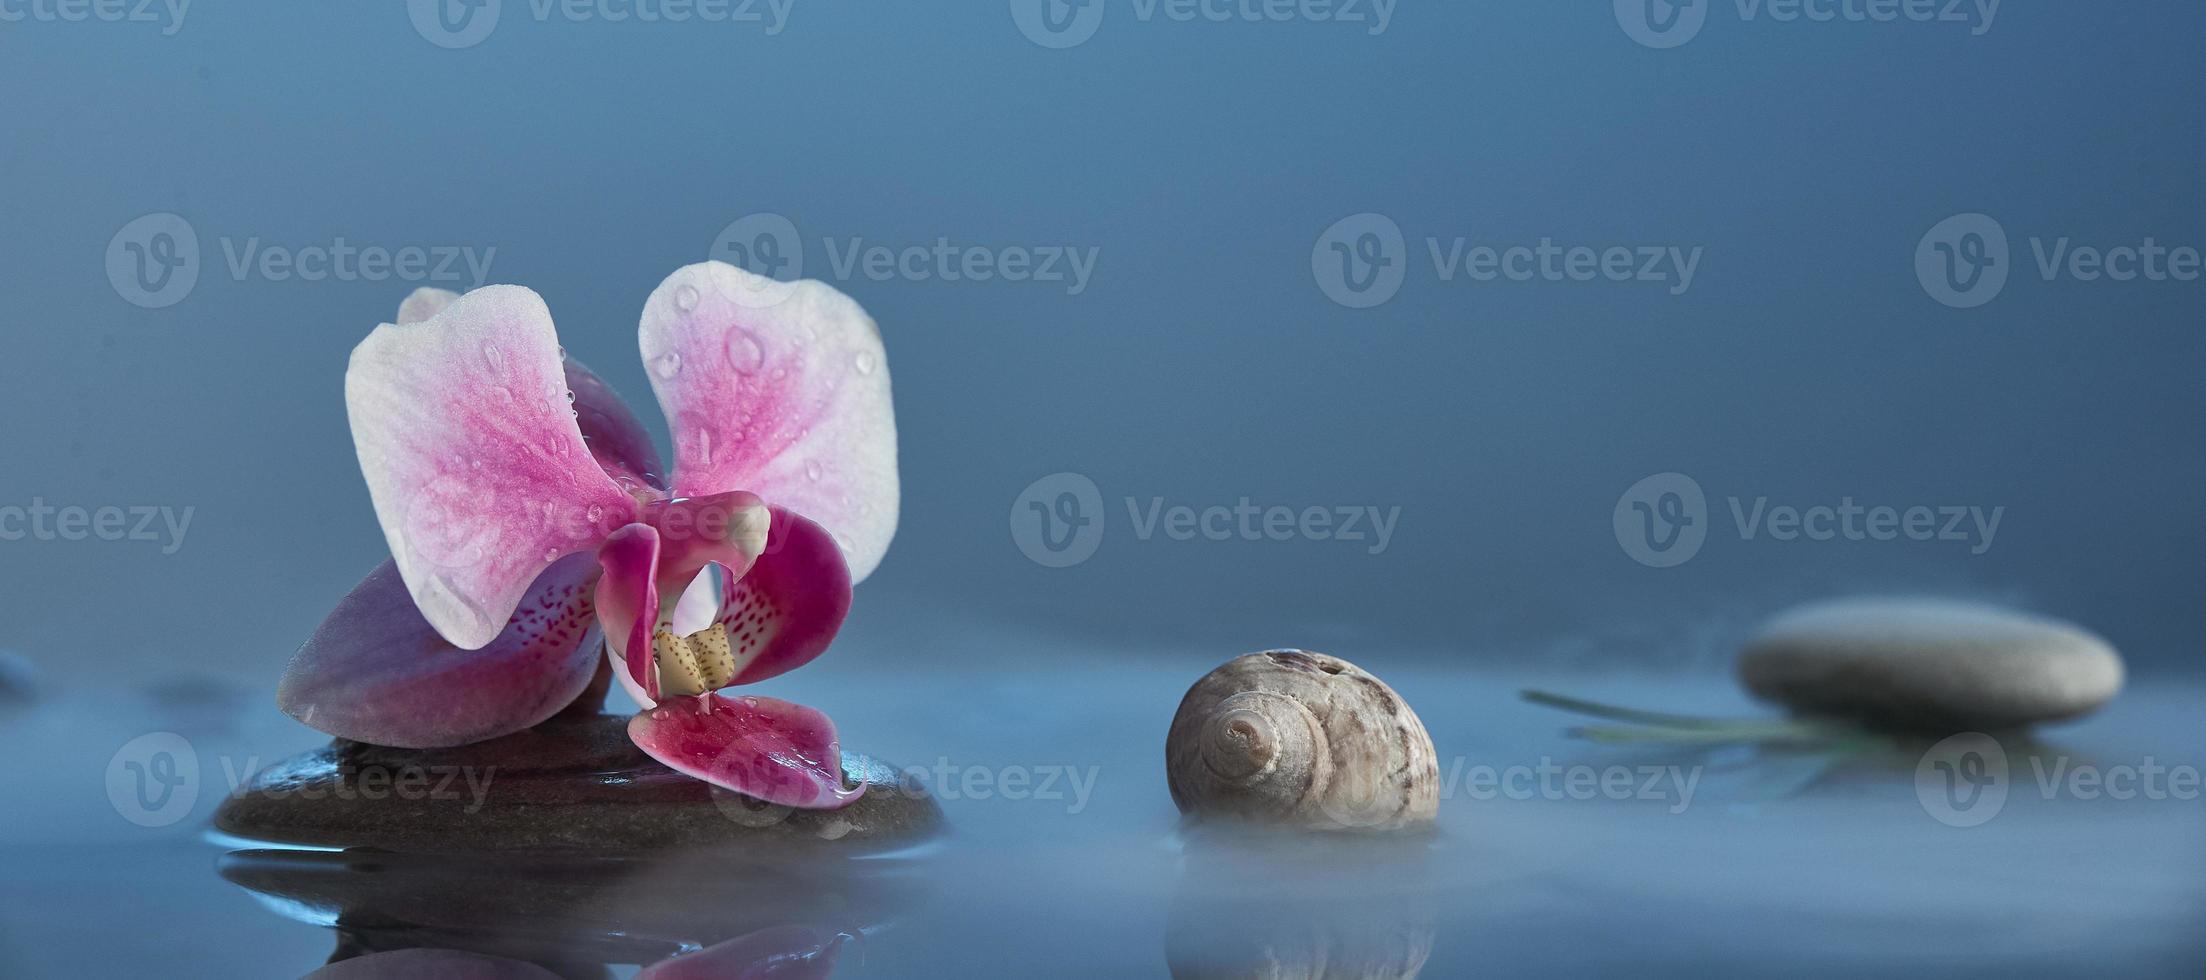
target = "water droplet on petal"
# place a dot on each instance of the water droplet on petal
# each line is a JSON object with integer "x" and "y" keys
{"x": 667, "y": 365}
{"x": 597, "y": 514}
{"x": 863, "y": 362}
{"x": 685, "y": 297}
{"x": 813, "y": 471}
{"x": 495, "y": 358}
{"x": 744, "y": 353}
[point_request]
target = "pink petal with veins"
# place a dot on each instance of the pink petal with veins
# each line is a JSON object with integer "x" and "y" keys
{"x": 617, "y": 438}
{"x": 788, "y": 607}
{"x": 781, "y": 389}
{"x": 377, "y": 672}
{"x": 766, "y": 748}
{"x": 479, "y": 475}
{"x": 628, "y": 601}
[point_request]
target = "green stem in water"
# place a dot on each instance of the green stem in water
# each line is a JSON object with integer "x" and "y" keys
{"x": 1634, "y": 715}
{"x": 1662, "y": 727}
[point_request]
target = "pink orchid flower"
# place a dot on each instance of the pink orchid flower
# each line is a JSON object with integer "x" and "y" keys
{"x": 527, "y": 515}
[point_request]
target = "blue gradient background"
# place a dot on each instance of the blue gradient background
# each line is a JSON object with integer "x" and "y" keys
{"x": 1202, "y": 364}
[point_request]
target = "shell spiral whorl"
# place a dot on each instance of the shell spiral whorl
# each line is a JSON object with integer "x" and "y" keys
{"x": 1263, "y": 750}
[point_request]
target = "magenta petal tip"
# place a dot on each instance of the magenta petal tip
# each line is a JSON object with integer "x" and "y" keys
{"x": 767, "y": 748}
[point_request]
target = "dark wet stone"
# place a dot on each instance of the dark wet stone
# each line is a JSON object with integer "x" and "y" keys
{"x": 573, "y": 783}
{"x": 1929, "y": 665}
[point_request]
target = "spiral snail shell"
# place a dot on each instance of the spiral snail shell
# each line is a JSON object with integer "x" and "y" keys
{"x": 1301, "y": 739}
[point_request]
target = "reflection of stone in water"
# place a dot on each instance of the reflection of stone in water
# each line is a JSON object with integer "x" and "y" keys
{"x": 1279, "y": 908}
{"x": 694, "y": 915}
{"x": 784, "y": 953}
